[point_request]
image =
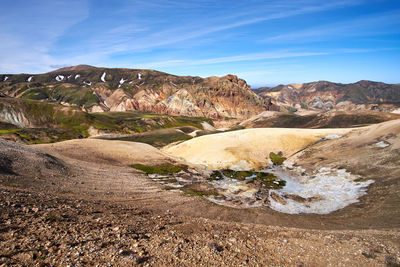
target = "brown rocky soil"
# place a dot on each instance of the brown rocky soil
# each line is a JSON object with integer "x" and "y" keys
{"x": 49, "y": 230}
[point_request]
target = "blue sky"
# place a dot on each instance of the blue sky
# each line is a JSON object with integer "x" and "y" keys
{"x": 264, "y": 42}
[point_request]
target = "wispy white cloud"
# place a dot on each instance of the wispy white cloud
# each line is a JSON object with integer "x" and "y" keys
{"x": 270, "y": 55}
{"x": 258, "y": 56}
{"x": 33, "y": 44}
{"x": 375, "y": 24}
{"x": 236, "y": 58}
{"x": 201, "y": 27}
{"x": 27, "y": 40}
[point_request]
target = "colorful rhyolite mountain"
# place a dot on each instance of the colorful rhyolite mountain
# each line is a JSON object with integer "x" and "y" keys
{"x": 101, "y": 89}
{"x": 327, "y": 95}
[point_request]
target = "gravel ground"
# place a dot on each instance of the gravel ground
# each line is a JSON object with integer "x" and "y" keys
{"x": 46, "y": 230}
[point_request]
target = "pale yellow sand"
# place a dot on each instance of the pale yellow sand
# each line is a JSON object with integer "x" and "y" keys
{"x": 120, "y": 152}
{"x": 247, "y": 148}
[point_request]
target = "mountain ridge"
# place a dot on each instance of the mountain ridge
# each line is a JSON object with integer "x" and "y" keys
{"x": 326, "y": 95}
{"x": 97, "y": 89}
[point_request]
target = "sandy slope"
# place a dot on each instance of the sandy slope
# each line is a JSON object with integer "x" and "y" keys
{"x": 357, "y": 145}
{"x": 358, "y": 153}
{"x": 118, "y": 152}
{"x": 247, "y": 148}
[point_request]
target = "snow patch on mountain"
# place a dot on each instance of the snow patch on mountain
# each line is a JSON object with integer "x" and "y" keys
{"x": 59, "y": 78}
{"x": 103, "y": 77}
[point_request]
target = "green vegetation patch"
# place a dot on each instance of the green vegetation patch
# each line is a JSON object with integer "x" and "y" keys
{"x": 42, "y": 135}
{"x": 165, "y": 168}
{"x": 35, "y": 94}
{"x": 144, "y": 121}
{"x": 238, "y": 175}
{"x": 215, "y": 175}
{"x": 200, "y": 189}
{"x": 277, "y": 159}
{"x": 18, "y": 133}
{"x": 157, "y": 138}
{"x": 187, "y": 129}
{"x": 81, "y": 96}
{"x": 71, "y": 122}
{"x": 193, "y": 192}
{"x": 49, "y": 115}
{"x": 9, "y": 131}
{"x": 269, "y": 180}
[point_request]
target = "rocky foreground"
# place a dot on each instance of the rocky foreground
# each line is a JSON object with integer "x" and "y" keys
{"x": 49, "y": 230}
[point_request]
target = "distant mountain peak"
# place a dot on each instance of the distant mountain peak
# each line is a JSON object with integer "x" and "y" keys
{"x": 75, "y": 68}
{"x": 329, "y": 95}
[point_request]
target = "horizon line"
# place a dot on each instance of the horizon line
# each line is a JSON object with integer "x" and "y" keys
{"x": 253, "y": 86}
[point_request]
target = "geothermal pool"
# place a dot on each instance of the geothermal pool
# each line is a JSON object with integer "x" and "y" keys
{"x": 322, "y": 192}
{"x": 292, "y": 191}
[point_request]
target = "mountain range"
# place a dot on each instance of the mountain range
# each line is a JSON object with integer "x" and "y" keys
{"x": 324, "y": 95}
{"x": 100, "y": 89}
{"x": 94, "y": 89}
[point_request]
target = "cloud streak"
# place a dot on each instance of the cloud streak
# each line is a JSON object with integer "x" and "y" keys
{"x": 279, "y": 54}
{"x": 35, "y": 45}
{"x": 376, "y": 24}
{"x": 170, "y": 36}
{"x": 27, "y": 41}
{"x": 230, "y": 59}
{"x": 197, "y": 37}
